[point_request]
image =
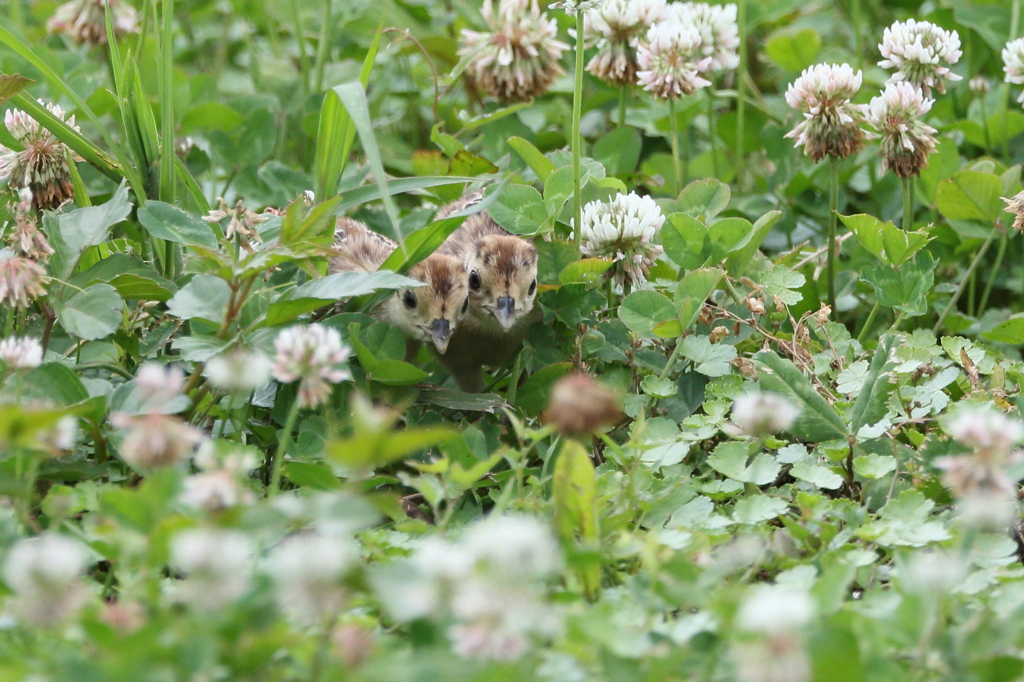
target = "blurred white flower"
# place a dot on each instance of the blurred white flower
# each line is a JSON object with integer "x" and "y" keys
{"x": 21, "y": 281}
{"x": 313, "y": 355}
{"x": 308, "y": 570}
{"x": 773, "y": 608}
{"x": 831, "y": 125}
{"x": 21, "y": 353}
{"x": 979, "y": 85}
{"x": 984, "y": 490}
{"x": 44, "y": 573}
{"x": 623, "y": 230}
{"x": 157, "y": 385}
{"x": 238, "y": 371}
{"x": 519, "y": 546}
{"x": 61, "y": 437}
{"x": 84, "y": 21}
{"x": 518, "y": 58}
{"x": 906, "y": 140}
{"x": 671, "y": 60}
{"x": 216, "y": 563}
{"x": 616, "y": 29}
{"x": 921, "y": 53}
{"x": 215, "y": 491}
{"x": 719, "y": 32}
{"x": 761, "y": 414}
{"x": 1013, "y": 64}
{"x": 931, "y": 572}
{"x": 155, "y": 440}
{"x": 42, "y": 166}
{"x": 779, "y": 657}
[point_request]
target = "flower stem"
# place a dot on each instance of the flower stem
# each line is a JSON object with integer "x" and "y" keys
{"x": 712, "y": 129}
{"x": 741, "y": 86}
{"x": 1003, "y": 239}
{"x": 577, "y": 110}
{"x": 833, "y": 219}
{"x": 1014, "y": 29}
{"x": 322, "y": 47}
{"x": 868, "y": 322}
{"x": 858, "y": 36}
{"x": 960, "y": 289}
{"x": 286, "y": 435}
{"x": 674, "y": 132}
{"x": 908, "y": 204}
{"x": 984, "y": 123}
{"x": 623, "y": 100}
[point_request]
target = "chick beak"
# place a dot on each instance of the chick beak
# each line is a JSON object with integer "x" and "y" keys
{"x": 440, "y": 333}
{"x": 506, "y": 311}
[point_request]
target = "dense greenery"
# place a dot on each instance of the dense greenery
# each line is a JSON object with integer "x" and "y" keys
{"x": 850, "y": 522}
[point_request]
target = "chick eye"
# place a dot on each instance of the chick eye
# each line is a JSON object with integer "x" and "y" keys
{"x": 409, "y": 300}
{"x": 533, "y": 288}
{"x": 474, "y": 280}
{"x": 465, "y": 305}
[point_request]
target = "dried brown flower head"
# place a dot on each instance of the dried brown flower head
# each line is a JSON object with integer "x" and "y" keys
{"x": 579, "y": 405}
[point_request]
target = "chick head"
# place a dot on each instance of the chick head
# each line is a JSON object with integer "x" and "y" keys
{"x": 432, "y": 312}
{"x": 502, "y": 277}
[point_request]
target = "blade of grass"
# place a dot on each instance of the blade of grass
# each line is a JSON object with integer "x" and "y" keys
{"x": 166, "y": 41}
{"x": 362, "y": 195}
{"x": 353, "y": 96}
{"x": 322, "y": 47}
{"x": 191, "y": 186}
{"x": 336, "y": 133}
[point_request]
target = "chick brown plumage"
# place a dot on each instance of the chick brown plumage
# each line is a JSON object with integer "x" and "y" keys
{"x": 429, "y": 313}
{"x": 502, "y": 277}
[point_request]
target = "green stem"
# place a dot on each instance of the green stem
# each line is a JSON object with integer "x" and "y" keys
{"x": 275, "y": 463}
{"x": 322, "y": 47}
{"x": 741, "y": 86}
{"x": 303, "y": 62}
{"x": 833, "y": 220}
{"x": 908, "y": 204}
{"x": 960, "y": 289}
{"x": 623, "y": 100}
{"x": 984, "y": 123}
{"x": 868, "y": 322}
{"x": 672, "y": 358}
{"x": 577, "y": 111}
{"x": 16, "y": 15}
{"x": 1014, "y": 28}
{"x": 1003, "y": 240}
{"x": 673, "y": 125}
{"x": 712, "y": 129}
{"x": 858, "y": 33}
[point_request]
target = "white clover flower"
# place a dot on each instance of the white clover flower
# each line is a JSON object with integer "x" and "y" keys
{"x": 157, "y": 385}
{"x": 216, "y": 563}
{"x": 519, "y": 546}
{"x": 215, "y": 491}
{"x": 42, "y": 166}
{"x": 308, "y": 570}
{"x": 993, "y": 436}
{"x": 719, "y": 32}
{"x": 831, "y": 125}
{"x": 616, "y": 29}
{"x": 772, "y": 608}
{"x": 44, "y": 573}
{"x": 518, "y": 58}
{"x": 1015, "y": 205}
{"x": 85, "y": 22}
{"x": 242, "y": 224}
{"x": 313, "y": 355}
{"x": 61, "y": 437}
{"x": 979, "y": 85}
{"x": 1013, "y": 64}
{"x": 906, "y": 140}
{"x": 918, "y": 50}
{"x": 623, "y": 230}
{"x": 935, "y": 572}
{"x": 21, "y": 281}
{"x": 761, "y": 414}
{"x": 26, "y": 239}
{"x": 238, "y": 371}
{"x": 570, "y": 6}
{"x": 155, "y": 440}
{"x": 21, "y": 353}
{"x": 780, "y": 657}
{"x": 671, "y": 60}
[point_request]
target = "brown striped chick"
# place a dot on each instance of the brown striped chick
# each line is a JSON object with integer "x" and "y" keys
{"x": 430, "y": 313}
{"x": 502, "y": 278}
